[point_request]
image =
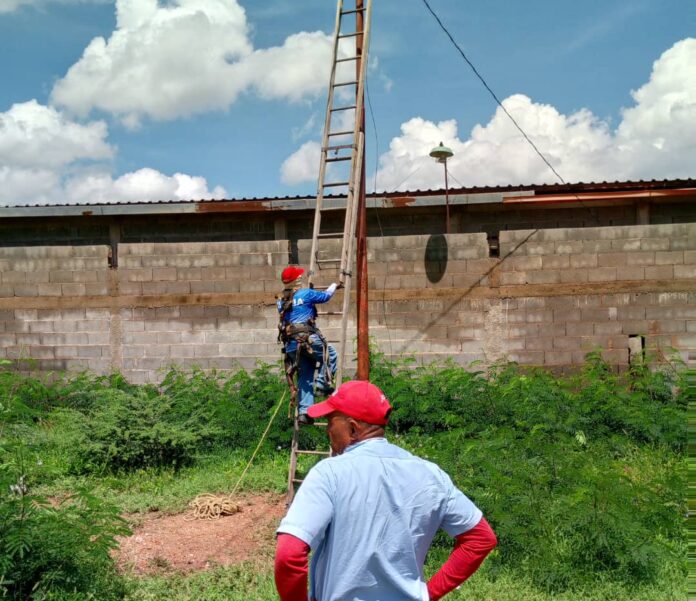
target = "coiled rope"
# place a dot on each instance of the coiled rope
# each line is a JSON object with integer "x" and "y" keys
{"x": 213, "y": 507}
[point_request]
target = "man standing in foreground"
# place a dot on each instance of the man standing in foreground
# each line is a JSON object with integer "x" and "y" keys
{"x": 370, "y": 512}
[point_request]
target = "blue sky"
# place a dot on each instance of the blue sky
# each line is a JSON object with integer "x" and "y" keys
{"x": 213, "y": 98}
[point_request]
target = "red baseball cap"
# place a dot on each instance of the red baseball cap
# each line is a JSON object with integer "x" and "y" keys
{"x": 357, "y": 399}
{"x": 291, "y": 273}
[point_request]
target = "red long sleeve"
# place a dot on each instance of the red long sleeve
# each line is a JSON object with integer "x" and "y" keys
{"x": 291, "y": 568}
{"x": 470, "y": 550}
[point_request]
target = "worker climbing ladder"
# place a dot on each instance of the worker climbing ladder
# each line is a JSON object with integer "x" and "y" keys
{"x": 340, "y": 176}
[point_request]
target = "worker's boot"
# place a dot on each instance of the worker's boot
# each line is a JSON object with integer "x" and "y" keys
{"x": 304, "y": 420}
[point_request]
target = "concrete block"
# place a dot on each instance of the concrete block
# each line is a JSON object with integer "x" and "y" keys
{"x": 660, "y": 272}
{"x": 522, "y": 263}
{"x": 633, "y": 272}
{"x": 555, "y": 262}
{"x": 73, "y": 289}
{"x": 691, "y": 326}
{"x": 673, "y": 257}
{"x": 157, "y": 288}
{"x": 98, "y": 338}
{"x": 132, "y": 288}
{"x": 204, "y": 287}
{"x": 569, "y": 276}
{"x": 685, "y": 271}
{"x": 640, "y": 258}
{"x": 565, "y": 315}
{"x": 131, "y": 262}
{"x": 190, "y": 337}
{"x": 155, "y": 262}
{"x": 164, "y": 274}
{"x": 625, "y": 245}
{"x": 544, "y": 277}
{"x": 26, "y": 290}
{"x": 93, "y": 325}
{"x": 160, "y": 351}
{"x": 558, "y": 358}
{"x": 595, "y": 246}
{"x": 13, "y": 277}
{"x": 96, "y": 289}
{"x": 579, "y": 328}
{"x": 608, "y": 328}
{"x": 611, "y": 260}
{"x": 655, "y": 244}
{"x": 168, "y": 338}
{"x": 513, "y": 278}
{"x": 678, "y": 312}
{"x": 571, "y": 247}
{"x": 539, "y": 316}
{"x": 527, "y": 357}
{"x": 37, "y": 277}
{"x": 602, "y": 274}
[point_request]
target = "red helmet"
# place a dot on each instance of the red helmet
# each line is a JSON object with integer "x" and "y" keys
{"x": 291, "y": 273}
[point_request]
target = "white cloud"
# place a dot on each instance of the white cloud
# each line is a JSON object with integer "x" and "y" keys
{"x": 45, "y": 158}
{"x": 302, "y": 165}
{"x": 186, "y": 57}
{"x": 142, "y": 185}
{"x": 33, "y": 135}
{"x": 655, "y": 139}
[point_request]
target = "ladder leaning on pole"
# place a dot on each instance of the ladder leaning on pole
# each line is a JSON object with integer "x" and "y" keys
{"x": 340, "y": 172}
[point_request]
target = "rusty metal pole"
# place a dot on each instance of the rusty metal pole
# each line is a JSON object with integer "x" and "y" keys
{"x": 363, "y": 371}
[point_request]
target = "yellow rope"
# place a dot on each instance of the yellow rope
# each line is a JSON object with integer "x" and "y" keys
{"x": 212, "y": 507}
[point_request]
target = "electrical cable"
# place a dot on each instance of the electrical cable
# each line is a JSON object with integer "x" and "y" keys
{"x": 379, "y": 221}
{"x": 492, "y": 93}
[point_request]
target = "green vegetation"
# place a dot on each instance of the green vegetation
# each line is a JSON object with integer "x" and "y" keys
{"x": 583, "y": 477}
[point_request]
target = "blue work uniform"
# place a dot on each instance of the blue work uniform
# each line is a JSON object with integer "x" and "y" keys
{"x": 369, "y": 516}
{"x": 303, "y": 310}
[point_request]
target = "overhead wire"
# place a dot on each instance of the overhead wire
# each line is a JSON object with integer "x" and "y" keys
{"x": 490, "y": 90}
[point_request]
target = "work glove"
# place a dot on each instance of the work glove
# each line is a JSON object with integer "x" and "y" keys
{"x": 331, "y": 289}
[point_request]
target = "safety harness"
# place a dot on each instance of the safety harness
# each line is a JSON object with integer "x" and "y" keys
{"x": 300, "y": 333}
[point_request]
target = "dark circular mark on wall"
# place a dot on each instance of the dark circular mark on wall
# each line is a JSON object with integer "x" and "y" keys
{"x": 436, "y": 252}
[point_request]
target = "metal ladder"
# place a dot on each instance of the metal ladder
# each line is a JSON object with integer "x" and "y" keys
{"x": 343, "y": 146}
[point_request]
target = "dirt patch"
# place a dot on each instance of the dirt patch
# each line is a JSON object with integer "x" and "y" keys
{"x": 179, "y": 543}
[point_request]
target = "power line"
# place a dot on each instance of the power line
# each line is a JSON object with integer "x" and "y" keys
{"x": 492, "y": 93}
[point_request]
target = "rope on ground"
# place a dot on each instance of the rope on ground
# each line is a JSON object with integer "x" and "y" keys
{"x": 213, "y": 507}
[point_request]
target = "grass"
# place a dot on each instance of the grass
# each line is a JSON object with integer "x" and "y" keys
{"x": 254, "y": 581}
{"x": 170, "y": 491}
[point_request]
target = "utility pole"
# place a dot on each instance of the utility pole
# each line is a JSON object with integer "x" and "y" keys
{"x": 363, "y": 371}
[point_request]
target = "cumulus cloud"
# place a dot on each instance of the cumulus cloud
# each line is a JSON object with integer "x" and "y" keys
{"x": 656, "y": 138}
{"x": 302, "y": 165}
{"x": 185, "y": 57}
{"x": 46, "y": 158}
{"x": 33, "y": 135}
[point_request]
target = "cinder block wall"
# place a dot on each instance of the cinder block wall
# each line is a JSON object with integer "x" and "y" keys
{"x": 549, "y": 298}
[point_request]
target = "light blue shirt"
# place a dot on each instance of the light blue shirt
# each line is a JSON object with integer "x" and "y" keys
{"x": 369, "y": 516}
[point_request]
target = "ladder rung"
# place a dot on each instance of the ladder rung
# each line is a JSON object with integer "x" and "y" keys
{"x": 344, "y": 108}
{"x": 329, "y": 234}
{"x": 345, "y": 60}
{"x": 345, "y": 83}
{"x": 326, "y": 453}
{"x": 354, "y": 34}
{"x": 330, "y": 313}
{"x": 341, "y": 133}
{"x": 352, "y": 11}
{"x": 332, "y": 209}
{"x": 328, "y": 261}
{"x": 338, "y": 147}
{"x": 297, "y": 480}
{"x": 335, "y": 159}
{"x": 335, "y": 184}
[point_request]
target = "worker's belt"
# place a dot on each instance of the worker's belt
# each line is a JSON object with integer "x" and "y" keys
{"x": 297, "y": 329}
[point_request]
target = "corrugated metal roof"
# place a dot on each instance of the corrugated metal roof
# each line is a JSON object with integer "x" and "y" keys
{"x": 535, "y": 188}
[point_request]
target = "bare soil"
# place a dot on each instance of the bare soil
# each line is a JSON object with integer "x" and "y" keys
{"x": 179, "y": 543}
